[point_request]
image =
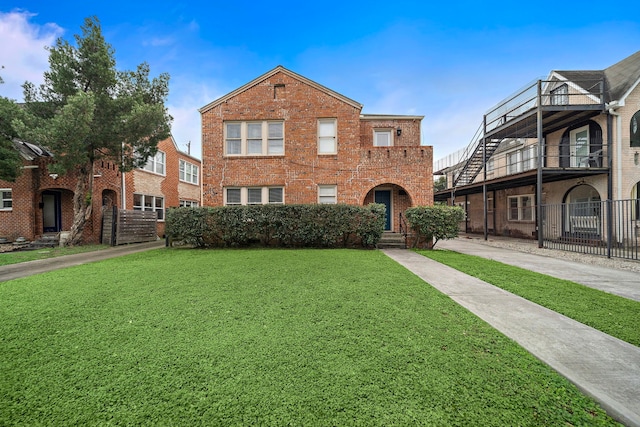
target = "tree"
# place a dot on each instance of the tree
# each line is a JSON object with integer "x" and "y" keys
{"x": 440, "y": 184}
{"x": 86, "y": 111}
{"x": 433, "y": 223}
{"x": 10, "y": 161}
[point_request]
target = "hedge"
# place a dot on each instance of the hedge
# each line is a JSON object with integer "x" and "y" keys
{"x": 323, "y": 226}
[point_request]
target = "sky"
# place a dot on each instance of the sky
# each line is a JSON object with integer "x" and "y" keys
{"x": 447, "y": 61}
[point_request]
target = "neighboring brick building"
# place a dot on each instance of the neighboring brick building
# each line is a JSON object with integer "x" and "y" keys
{"x": 283, "y": 138}
{"x": 170, "y": 179}
{"x": 39, "y": 202}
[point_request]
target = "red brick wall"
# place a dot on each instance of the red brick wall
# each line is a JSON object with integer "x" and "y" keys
{"x": 357, "y": 168}
{"x": 25, "y": 219}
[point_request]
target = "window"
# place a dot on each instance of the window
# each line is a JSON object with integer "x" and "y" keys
{"x": 520, "y": 208}
{"x": 234, "y": 196}
{"x": 142, "y": 202}
{"x": 635, "y": 130}
{"x": 521, "y": 160}
{"x": 6, "y": 199}
{"x": 382, "y": 138}
{"x": 156, "y": 163}
{"x": 254, "y": 138}
{"x": 188, "y": 204}
{"x": 327, "y": 194}
{"x": 560, "y": 95}
{"x": 327, "y": 140}
{"x": 253, "y": 196}
{"x": 579, "y": 147}
{"x": 188, "y": 172}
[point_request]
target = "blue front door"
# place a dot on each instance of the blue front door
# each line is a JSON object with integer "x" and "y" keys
{"x": 384, "y": 197}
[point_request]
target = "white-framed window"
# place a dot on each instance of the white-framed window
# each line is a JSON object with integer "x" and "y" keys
{"x": 260, "y": 138}
{"x": 253, "y": 195}
{"x": 382, "y": 138}
{"x": 521, "y": 160}
{"x": 6, "y": 199}
{"x": 327, "y": 136}
{"x": 144, "y": 202}
{"x": 579, "y": 140}
{"x": 490, "y": 166}
{"x": 560, "y": 95}
{"x": 156, "y": 164}
{"x": 520, "y": 208}
{"x": 328, "y": 194}
{"x": 189, "y": 204}
{"x": 188, "y": 172}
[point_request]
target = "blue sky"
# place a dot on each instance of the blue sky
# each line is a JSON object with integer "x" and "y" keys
{"x": 449, "y": 61}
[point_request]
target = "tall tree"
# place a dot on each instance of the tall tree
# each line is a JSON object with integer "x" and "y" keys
{"x": 86, "y": 110}
{"x": 10, "y": 161}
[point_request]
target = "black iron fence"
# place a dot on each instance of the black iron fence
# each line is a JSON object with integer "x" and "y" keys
{"x": 607, "y": 228}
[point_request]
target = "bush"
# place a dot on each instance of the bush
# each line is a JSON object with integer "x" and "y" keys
{"x": 433, "y": 223}
{"x": 278, "y": 225}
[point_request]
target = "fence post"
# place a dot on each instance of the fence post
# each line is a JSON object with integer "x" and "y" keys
{"x": 114, "y": 224}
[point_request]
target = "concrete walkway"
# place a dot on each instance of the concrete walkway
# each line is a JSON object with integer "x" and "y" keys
{"x": 24, "y": 269}
{"x": 616, "y": 281}
{"x": 603, "y": 367}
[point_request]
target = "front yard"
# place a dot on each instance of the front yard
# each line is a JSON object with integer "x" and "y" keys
{"x": 262, "y": 337}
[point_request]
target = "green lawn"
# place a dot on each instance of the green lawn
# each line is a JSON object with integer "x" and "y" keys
{"x": 611, "y": 314}
{"x": 263, "y": 337}
{"x": 15, "y": 257}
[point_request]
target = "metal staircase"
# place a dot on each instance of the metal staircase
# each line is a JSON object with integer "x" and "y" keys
{"x": 474, "y": 158}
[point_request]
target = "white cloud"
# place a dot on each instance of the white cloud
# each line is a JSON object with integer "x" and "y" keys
{"x": 23, "y": 54}
{"x": 185, "y": 98}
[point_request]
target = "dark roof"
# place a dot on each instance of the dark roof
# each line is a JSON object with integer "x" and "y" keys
{"x": 619, "y": 77}
{"x": 31, "y": 151}
{"x": 622, "y": 75}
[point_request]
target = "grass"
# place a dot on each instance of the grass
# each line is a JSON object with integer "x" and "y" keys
{"x": 263, "y": 337}
{"x": 15, "y": 257}
{"x": 611, "y": 314}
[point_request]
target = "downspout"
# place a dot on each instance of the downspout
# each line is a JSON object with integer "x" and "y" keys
{"x": 618, "y": 166}
{"x": 618, "y": 137}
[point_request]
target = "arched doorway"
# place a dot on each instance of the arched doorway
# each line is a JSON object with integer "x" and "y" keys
{"x": 583, "y": 212}
{"x": 396, "y": 200}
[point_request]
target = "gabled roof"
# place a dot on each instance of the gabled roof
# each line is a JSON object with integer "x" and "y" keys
{"x": 280, "y": 69}
{"x": 622, "y": 76}
{"x": 619, "y": 78}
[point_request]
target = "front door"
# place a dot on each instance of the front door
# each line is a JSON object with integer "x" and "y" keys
{"x": 384, "y": 197}
{"x": 51, "y": 212}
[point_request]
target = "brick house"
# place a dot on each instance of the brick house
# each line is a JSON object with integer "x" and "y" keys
{"x": 283, "y": 138}
{"x": 558, "y": 163}
{"x": 40, "y": 203}
{"x": 170, "y": 179}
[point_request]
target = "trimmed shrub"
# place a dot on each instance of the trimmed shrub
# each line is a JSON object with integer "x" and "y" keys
{"x": 433, "y": 223}
{"x": 324, "y": 226}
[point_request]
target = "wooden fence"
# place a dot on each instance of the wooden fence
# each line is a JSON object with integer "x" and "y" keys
{"x": 120, "y": 226}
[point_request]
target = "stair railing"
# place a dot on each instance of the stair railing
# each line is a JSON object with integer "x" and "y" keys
{"x": 404, "y": 229}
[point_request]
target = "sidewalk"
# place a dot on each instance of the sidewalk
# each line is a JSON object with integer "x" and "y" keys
{"x": 601, "y": 366}
{"x": 24, "y": 269}
{"x": 615, "y": 281}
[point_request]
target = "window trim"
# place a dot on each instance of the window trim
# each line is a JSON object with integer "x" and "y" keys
{"x": 152, "y": 163}
{"x": 521, "y": 207}
{"x": 388, "y": 131}
{"x": 634, "y": 130}
{"x": 188, "y": 203}
{"x": 244, "y": 195}
{"x": 577, "y": 161}
{"x": 152, "y": 206}
{"x": 3, "y": 200}
{"x": 333, "y": 187}
{"x": 183, "y": 166}
{"x": 244, "y": 138}
{"x": 333, "y": 121}
{"x": 560, "y": 95}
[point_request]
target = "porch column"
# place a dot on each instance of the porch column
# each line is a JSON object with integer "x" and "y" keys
{"x": 539, "y": 175}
